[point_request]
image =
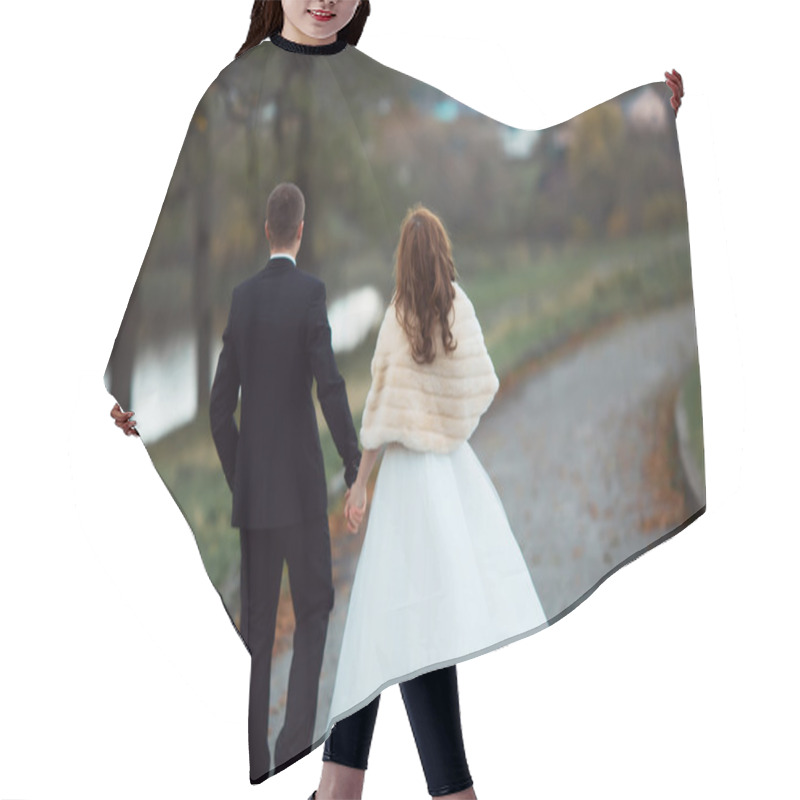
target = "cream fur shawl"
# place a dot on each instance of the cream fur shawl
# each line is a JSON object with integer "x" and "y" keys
{"x": 429, "y": 407}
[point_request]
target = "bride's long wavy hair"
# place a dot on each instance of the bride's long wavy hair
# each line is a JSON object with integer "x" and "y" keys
{"x": 266, "y": 19}
{"x": 424, "y": 275}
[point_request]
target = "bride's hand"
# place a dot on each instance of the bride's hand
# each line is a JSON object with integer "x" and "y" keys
{"x": 354, "y": 515}
{"x": 354, "y": 507}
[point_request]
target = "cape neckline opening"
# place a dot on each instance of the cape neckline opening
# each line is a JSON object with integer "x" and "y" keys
{"x": 309, "y": 49}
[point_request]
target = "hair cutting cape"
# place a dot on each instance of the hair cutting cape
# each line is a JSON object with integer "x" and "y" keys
{"x": 571, "y": 245}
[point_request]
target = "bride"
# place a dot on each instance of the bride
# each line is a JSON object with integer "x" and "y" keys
{"x": 440, "y": 576}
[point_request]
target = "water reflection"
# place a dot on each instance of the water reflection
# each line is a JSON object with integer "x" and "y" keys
{"x": 163, "y": 391}
{"x": 353, "y": 316}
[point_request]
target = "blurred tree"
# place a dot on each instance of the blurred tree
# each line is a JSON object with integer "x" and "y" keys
{"x": 594, "y": 160}
{"x": 201, "y": 171}
{"x": 550, "y": 217}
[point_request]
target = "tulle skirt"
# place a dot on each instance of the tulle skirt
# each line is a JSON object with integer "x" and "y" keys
{"x": 440, "y": 575}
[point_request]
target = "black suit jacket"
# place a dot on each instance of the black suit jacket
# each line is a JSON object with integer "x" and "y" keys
{"x": 277, "y": 339}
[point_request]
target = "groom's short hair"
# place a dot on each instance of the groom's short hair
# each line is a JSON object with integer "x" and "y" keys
{"x": 286, "y": 208}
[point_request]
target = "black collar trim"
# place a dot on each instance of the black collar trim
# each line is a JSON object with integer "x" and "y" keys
{"x": 316, "y": 49}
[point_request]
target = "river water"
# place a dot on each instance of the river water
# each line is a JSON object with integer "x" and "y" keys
{"x": 163, "y": 392}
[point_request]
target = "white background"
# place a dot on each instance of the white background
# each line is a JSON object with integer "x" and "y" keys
{"x": 120, "y": 674}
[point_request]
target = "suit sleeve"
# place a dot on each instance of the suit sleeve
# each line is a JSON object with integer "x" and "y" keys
{"x": 223, "y": 401}
{"x": 331, "y": 389}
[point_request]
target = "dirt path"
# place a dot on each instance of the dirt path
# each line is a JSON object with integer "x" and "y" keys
{"x": 588, "y": 479}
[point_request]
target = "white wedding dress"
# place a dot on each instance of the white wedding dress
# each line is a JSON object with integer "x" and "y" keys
{"x": 440, "y": 575}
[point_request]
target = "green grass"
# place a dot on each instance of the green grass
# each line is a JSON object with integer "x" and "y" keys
{"x": 187, "y": 462}
{"x": 535, "y": 301}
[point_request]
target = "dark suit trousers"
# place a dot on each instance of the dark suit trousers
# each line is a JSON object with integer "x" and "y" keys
{"x": 306, "y": 548}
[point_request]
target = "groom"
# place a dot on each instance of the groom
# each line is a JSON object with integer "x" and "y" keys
{"x": 277, "y": 339}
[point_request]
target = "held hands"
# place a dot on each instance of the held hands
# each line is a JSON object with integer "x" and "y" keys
{"x": 355, "y": 504}
{"x": 675, "y": 82}
{"x": 124, "y": 420}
